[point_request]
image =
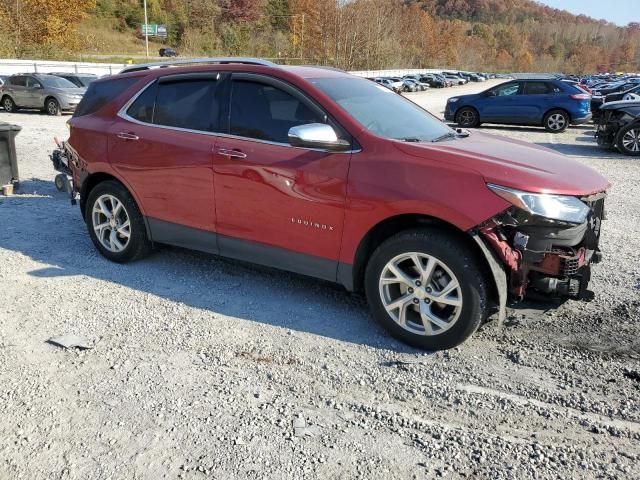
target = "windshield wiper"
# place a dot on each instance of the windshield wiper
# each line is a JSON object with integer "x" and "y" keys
{"x": 445, "y": 136}
{"x": 409, "y": 139}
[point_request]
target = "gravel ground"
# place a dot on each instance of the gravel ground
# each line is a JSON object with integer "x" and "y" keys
{"x": 210, "y": 368}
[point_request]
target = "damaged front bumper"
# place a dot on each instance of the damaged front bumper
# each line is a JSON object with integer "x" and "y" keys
{"x": 544, "y": 257}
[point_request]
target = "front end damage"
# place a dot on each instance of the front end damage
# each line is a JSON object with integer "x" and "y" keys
{"x": 543, "y": 257}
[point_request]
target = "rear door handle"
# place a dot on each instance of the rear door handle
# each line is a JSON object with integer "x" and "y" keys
{"x": 232, "y": 153}
{"x": 128, "y": 136}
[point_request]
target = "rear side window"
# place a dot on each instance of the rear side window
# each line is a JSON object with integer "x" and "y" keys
{"x": 18, "y": 81}
{"x": 185, "y": 104}
{"x": 266, "y": 113}
{"x": 101, "y": 93}
{"x": 537, "y": 88}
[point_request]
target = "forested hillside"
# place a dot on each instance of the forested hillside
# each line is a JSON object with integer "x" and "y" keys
{"x": 502, "y": 35}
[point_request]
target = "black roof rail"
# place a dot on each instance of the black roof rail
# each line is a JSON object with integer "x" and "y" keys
{"x": 196, "y": 61}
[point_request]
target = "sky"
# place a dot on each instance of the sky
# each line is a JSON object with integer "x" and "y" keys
{"x": 620, "y": 12}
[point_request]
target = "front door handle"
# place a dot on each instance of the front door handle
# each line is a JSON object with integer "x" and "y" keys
{"x": 232, "y": 153}
{"x": 128, "y": 136}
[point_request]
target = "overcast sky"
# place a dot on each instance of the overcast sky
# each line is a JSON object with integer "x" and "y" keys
{"x": 621, "y": 12}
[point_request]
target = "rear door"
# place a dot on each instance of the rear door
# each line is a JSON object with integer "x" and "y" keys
{"x": 162, "y": 144}
{"x": 271, "y": 194}
{"x": 15, "y": 88}
{"x": 538, "y": 98}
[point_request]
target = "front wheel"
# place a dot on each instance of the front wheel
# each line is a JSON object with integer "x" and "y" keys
{"x": 628, "y": 140}
{"x": 427, "y": 289}
{"x": 8, "y": 104}
{"x": 115, "y": 223}
{"x": 556, "y": 121}
{"x": 53, "y": 107}
{"x": 468, "y": 117}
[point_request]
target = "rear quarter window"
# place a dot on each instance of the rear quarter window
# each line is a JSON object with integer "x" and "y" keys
{"x": 100, "y": 93}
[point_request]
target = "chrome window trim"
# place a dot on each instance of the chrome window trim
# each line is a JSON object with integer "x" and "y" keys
{"x": 122, "y": 113}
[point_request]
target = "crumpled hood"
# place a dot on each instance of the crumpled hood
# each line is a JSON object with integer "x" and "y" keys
{"x": 513, "y": 163}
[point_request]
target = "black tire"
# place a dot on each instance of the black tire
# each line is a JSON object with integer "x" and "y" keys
{"x": 467, "y": 117}
{"x": 628, "y": 140}
{"x": 459, "y": 259}
{"x": 8, "y": 104}
{"x": 556, "y": 121}
{"x": 52, "y": 107}
{"x": 61, "y": 182}
{"x": 138, "y": 245}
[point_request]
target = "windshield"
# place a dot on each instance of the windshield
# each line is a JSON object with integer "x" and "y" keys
{"x": 86, "y": 80}
{"x": 57, "y": 82}
{"x": 383, "y": 112}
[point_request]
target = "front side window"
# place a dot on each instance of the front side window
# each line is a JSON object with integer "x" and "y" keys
{"x": 506, "y": 90}
{"x": 265, "y": 112}
{"x": 381, "y": 111}
{"x": 33, "y": 83}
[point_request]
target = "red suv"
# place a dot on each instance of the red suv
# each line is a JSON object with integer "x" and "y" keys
{"x": 319, "y": 172}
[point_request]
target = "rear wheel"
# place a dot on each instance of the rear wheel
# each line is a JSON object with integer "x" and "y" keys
{"x": 8, "y": 104}
{"x": 556, "y": 121}
{"x": 468, "y": 117}
{"x": 115, "y": 223}
{"x": 628, "y": 140}
{"x": 426, "y": 288}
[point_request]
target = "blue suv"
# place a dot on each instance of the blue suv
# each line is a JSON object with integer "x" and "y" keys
{"x": 552, "y": 104}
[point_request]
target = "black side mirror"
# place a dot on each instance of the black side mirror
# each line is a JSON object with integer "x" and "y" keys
{"x": 490, "y": 93}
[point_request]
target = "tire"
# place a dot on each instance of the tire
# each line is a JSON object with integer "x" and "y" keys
{"x": 52, "y": 107}
{"x": 61, "y": 182}
{"x": 467, "y": 117}
{"x": 120, "y": 249}
{"x": 8, "y": 104}
{"x": 628, "y": 140}
{"x": 456, "y": 266}
{"x": 556, "y": 121}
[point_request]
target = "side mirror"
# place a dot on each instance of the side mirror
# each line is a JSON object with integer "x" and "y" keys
{"x": 317, "y": 135}
{"x": 491, "y": 93}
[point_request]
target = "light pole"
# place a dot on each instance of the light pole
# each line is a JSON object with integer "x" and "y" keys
{"x": 146, "y": 28}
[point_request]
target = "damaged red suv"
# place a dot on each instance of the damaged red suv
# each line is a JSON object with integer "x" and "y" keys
{"x": 319, "y": 172}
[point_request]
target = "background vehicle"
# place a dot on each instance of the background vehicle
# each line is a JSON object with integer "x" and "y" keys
{"x": 433, "y": 81}
{"x": 597, "y": 102}
{"x": 167, "y": 52}
{"x": 390, "y": 84}
{"x": 79, "y": 80}
{"x": 46, "y": 92}
{"x": 619, "y": 126}
{"x": 612, "y": 88}
{"x": 456, "y": 80}
{"x": 3, "y": 79}
{"x": 552, "y": 104}
{"x": 332, "y": 186}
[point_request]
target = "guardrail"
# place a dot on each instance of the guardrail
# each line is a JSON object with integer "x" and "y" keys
{"x": 11, "y": 66}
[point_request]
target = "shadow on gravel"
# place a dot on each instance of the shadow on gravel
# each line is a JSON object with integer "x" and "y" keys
{"x": 46, "y": 228}
{"x": 594, "y": 150}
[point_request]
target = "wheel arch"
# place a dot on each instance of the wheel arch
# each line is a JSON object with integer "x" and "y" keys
{"x": 94, "y": 179}
{"x": 353, "y": 278}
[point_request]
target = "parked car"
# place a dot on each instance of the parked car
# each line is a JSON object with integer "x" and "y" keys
{"x": 433, "y": 81}
{"x": 419, "y": 86}
{"x": 78, "y": 79}
{"x": 597, "y": 102}
{"x": 619, "y": 126}
{"x": 167, "y": 52}
{"x": 552, "y": 104}
{"x": 390, "y": 84}
{"x": 46, "y": 92}
{"x": 613, "y": 88}
{"x": 456, "y": 80}
{"x": 325, "y": 174}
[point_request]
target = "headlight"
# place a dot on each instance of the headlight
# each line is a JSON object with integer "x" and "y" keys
{"x": 453, "y": 99}
{"x": 556, "y": 207}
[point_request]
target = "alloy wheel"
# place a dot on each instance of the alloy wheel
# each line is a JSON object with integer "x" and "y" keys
{"x": 467, "y": 117}
{"x": 631, "y": 140}
{"x": 420, "y": 293}
{"x": 8, "y": 105}
{"x": 52, "y": 107}
{"x": 557, "y": 121}
{"x": 111, "y": 223}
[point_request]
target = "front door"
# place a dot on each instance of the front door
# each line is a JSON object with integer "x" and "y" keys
{"x": 501, "y": 104}
{"x": 277, "y": 204}
{"x": 163, "y": 147}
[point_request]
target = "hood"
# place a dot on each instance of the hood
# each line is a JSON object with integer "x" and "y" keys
{"x": 513, "y": 163}
{"x": 620, "y": 104}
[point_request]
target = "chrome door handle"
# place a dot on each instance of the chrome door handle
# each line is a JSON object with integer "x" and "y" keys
{"x": 232, "y": 153}
{"x": 128, "y": 136}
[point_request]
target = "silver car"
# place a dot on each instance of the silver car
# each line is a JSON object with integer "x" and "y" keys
{"x": 48, "y": 93}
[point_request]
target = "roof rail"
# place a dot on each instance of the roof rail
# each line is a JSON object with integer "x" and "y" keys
{"x": 195, "y": 61}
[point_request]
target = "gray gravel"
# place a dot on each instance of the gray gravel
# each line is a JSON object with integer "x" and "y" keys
{"x": 209, "y": 368}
